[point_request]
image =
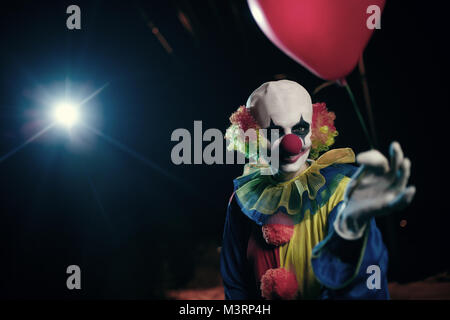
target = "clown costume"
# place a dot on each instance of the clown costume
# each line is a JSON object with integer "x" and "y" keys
{"x": 300, "y": 225}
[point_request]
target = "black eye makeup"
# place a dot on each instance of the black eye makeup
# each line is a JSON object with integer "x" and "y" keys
{"x": 301, "y": 129}
{"x": 271, "y": 127}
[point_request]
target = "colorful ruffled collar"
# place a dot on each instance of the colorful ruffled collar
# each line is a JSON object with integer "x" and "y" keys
{"x": 260, "y": 196}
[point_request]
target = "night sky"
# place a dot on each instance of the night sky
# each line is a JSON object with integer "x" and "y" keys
{"x": 116, "y": 205}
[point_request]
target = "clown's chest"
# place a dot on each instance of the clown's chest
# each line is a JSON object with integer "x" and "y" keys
{"x": 280, "y": 254}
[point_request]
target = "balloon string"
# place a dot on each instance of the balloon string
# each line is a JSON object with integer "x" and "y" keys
{"x": 358, "y": 113}
{"x": 362, "y": 72}
{"x": 323, "y": 85}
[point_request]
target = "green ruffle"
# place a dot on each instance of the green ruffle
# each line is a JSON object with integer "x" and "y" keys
{"x": 265, "y": 195}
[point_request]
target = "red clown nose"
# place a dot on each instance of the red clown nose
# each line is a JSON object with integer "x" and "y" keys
{"x": 291, "y": 145}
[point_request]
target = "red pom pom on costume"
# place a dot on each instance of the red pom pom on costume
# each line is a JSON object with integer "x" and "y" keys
{"x": 277, "y": 234}
{"x": 279, "y": 284}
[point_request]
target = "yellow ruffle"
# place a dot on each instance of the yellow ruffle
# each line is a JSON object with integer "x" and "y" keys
{"x": 266, "y": 195}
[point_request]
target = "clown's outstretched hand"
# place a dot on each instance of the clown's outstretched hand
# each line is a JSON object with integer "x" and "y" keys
{"x": 377, "y": 188}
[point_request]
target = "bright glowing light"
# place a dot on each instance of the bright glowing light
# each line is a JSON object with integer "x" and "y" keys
{"x": 66, "y": 113}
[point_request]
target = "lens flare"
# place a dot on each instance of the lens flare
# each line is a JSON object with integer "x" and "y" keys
{"x": 66, "y": 113}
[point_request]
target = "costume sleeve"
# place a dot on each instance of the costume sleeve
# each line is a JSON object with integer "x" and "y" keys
{"x": 237, "y": 278}
{"x": 349, "y": 269}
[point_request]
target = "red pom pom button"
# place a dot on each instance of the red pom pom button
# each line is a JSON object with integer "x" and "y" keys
{"x": 277, "y": 234}
{"x": 279, "y": 283}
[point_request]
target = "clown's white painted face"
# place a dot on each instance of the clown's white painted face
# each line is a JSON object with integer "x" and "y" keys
{"x": 285, "y": 105}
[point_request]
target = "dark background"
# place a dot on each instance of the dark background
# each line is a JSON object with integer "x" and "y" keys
{"x": 138, "y": 225}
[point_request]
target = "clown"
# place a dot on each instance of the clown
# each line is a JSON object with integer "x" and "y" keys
{"x": 307, "y": 230}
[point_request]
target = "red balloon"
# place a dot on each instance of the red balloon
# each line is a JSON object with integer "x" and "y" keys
{"x": 325, "y": 36}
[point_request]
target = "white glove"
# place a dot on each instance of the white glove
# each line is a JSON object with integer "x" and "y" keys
{"x": 375, "y": 189}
